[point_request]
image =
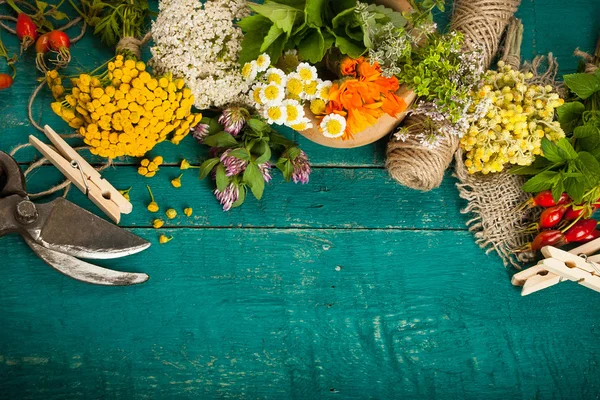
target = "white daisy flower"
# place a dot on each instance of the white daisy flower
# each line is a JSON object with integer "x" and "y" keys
{"x": 333, "y": 126}
{"x": 302, "y": 125}
{"x": 255, "y": 93}
{"x": 272, "y": 94}
{"x": 307, "y": 72}
{"x": 294, "y": 111}
{"x": 294, "y": 85}
{"x": 275, "y": 114}
{"x": 277, "y": 76}
{"x": 323, "y": 90}
{"x": 249, "y": 71}
{"x": 263, "y": 62}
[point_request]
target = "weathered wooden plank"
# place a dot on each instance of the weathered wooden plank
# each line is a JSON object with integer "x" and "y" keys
{"x": 272, "y": 314}
{"x": 334, "y": 198}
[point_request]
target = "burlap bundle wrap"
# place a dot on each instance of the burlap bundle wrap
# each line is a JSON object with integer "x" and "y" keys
{"x": 482, "y": 23}
{"x": 498, "y": 222}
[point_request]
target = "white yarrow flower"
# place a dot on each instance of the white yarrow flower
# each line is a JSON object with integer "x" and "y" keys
{"x": 333, "y": 126}
{"x": 199, "y": 42}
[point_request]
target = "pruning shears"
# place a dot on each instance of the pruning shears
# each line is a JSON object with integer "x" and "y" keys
{"x": 60, "y": 232}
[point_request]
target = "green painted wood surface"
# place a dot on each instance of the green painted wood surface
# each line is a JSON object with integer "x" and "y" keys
{"x": 350, "y": 287}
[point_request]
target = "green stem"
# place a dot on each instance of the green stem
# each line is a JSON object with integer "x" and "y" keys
{"x": 12, "y": 4}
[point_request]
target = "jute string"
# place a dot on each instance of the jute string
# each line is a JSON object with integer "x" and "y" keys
{"x": 498, "y": 224}
{"x": 482, "y": 23}
{"x": 126, "y": 44}
{"x": 591, "y": 61}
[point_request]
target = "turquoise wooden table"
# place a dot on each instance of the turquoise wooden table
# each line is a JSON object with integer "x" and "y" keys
{"x": 350, "y": 287}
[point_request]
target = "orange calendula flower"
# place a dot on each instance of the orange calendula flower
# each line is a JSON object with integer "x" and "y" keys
{"x": 348, "y": 66}
{"x": 362, "y": 100}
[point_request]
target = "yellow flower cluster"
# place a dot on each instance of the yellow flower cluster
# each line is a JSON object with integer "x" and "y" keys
{"x": 149, "y": 168}
{"x": 126, "y": 110}
{"x": 54, "y": 82}
{"x": 509, "y": 119}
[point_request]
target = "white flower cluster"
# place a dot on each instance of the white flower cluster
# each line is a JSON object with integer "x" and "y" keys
{"x": 281, "y": 97}
{"x": 200, "y": 43}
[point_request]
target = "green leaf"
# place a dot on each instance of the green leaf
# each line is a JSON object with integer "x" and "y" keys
{"x": 552, "y": 152}
{"x": 256, "y": 28}
{"x": 241, "y": 197}
{"x": 242, "y": 154}
{"x": 279, "y": 140}
{"x": 583, "y": 85}
{"x": 312, "y": 48}
{"x": 265, "y": 156}
{"x": 314, "y": 12}
{"x": 588, "y": 137}
{"x": 585, "y": 131}
{"x": 207, "y": 166}
{"x": 590, "y": 168}
{"x": 566, "y": 149}
{"x": 349, "y": 47}
{"x": 569, "y": 114}
{"x": 524, "y": 170}
{"x": 41, "y": 5}
{"x": 286, "y": 167}
{"x": 222, "y": 178}
{"x": 274, "y": 33}
{"x": 558, "y": 189}
{"x": 221, "y": 139}
{"x": 281, "y": 15}
{"x": 574, "y": 189}
{"x": 258, "y": 126}
{"x": 542, "y": 181}
{"x": 254, "y": 179}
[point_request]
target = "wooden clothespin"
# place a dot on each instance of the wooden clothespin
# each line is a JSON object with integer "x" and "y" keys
{"x": 83, "y": 175}
{"x": 560, "y": 265}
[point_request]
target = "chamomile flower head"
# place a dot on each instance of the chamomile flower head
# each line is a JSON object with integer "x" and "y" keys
{"x": 318, "y": 107}
{"x": 307, "y": 72}
{"x": 276, "y": 76}
{"x": 256, "y": 92}
{"x": 263, "y": 62}
{"x": 333, "y": 125}
{"x": 275, "y": 114}
{"x": 294, "y": 85}
{"x": 310, "y": 90}
{"x": 272, "y": 94}
{"x": 294, "y": 112}
{"x": 323, "y": 90}
{"x": 249, "y": 71}
{"x": 302, "y": 125}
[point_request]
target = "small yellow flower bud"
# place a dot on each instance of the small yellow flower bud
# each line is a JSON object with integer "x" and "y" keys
{"x": 153, "y": 206}
{"x": 188, "y": 211}
{"x": 171, "y": 213}
{"x": 158, "y": 160}
{"x": 163, "y": 239}
{"x": 177, "y": 181}
{"x": 158, "y": 223}
{"x": 185, "y": 165}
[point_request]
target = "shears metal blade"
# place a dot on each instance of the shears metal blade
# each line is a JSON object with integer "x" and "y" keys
{"x": 59, "y": 231}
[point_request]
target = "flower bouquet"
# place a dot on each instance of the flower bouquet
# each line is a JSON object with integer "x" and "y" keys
{"x": 329, "y": 69}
